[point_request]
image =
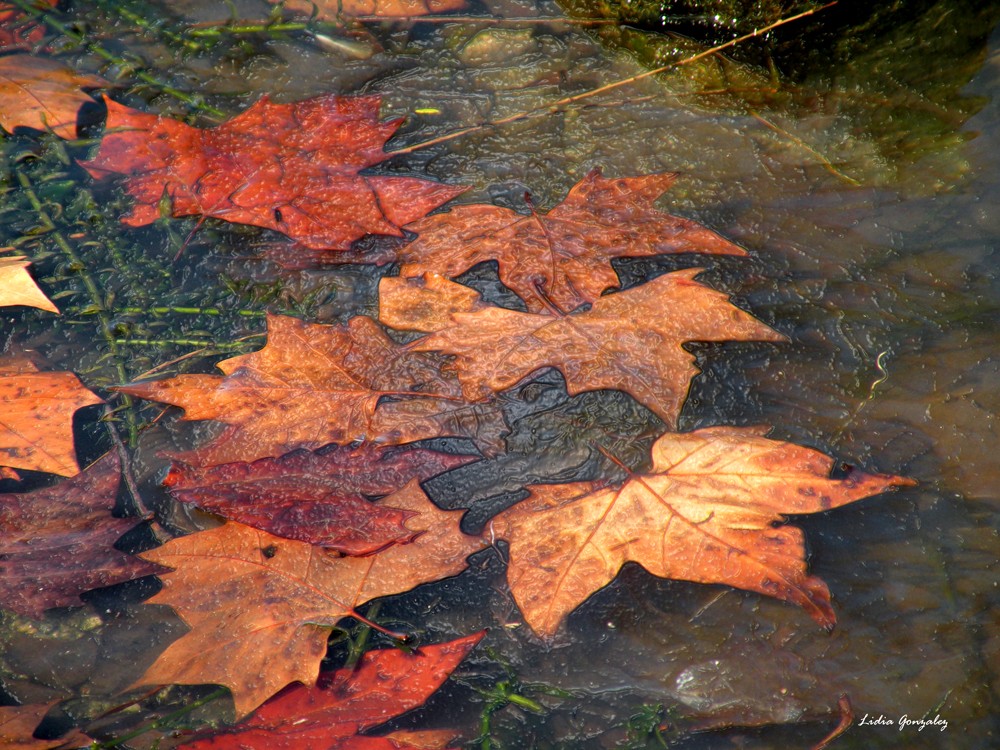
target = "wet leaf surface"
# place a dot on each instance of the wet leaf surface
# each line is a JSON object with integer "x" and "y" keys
{"x": 36, "y": 92}
{"x": 313, "y": 385}
{"x": 562, "y": 258}
{"x": 629, "y": 341}
{"x": 321, "y": 498}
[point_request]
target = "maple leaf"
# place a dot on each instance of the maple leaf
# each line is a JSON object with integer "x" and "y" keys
{"x": 16, "y": 285}
{"x": 315, "y": 497}
{"x": 36, "y": 417}
{"x": 561, "y": 258}
{"x": 330, "y": 715}
{"x": 18, "y": 724}
{"x": 707, "y": 511}
{"x": 293, "y": 168}
{"x": 260, "y": 607}
{"x": 312, "y": 385}
{"x": 629, "y": 341}
{"x": 17, "y": 30}
{"x": 36, "y": 92}
{"x": 58, "y": 542}
{"x": 334, "y": 9}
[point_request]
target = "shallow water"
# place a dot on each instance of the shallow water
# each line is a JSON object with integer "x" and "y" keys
{"x": 866, "y": 198}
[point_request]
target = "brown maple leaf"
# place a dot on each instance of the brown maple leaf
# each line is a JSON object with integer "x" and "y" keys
{"x": 293, "y": 168}
{"x": 709, "y": 510}
{"x": 629, "y": 341}
{"x": 560, "y": 259}
{"x": 331, "y": 714}
{"x": 18, "y": 725}
{"x": 260, "y": 607}
{"x": 320, "y": 498}
{"x": 36, "y": 92}
{"x": 17, "y": 287}
{"x": 331, "y": 10}
{"x": 312, "y": 385}
{"x": 57, "y": 542}
{"x": 36, "y": 417}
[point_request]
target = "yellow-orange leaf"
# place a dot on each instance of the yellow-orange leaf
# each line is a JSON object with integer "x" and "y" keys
{"x": 18, "y": 288}
{"x": 708, "y": 511}
{"x": 261, "y": 607}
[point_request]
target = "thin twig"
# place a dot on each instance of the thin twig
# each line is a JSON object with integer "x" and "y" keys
{"x": 138, "y": 507}
{"x": 556, "y": 106}
{"x": 827, "y": 164}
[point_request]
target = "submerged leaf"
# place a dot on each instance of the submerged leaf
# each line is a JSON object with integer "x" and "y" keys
{"x": 57, "y": 542}
{"x": 36, "y": 92}
{"x": 313, "y": 385}
{"x": 629, "y": 341}
{"x": 18, "y": 288}
{"x": 36, "y": 417}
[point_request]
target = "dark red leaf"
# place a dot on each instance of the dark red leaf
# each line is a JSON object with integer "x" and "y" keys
{"x": 58, "y": 542}
{"x": 319, "y": 497}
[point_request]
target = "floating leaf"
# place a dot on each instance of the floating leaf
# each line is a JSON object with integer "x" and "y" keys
{"x": 293, "y": 168}
{"x": 710, "y": 510}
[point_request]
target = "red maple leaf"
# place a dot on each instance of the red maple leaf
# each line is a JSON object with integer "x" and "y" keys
{"x": 293, "y": 168}
{"x": 330, "y": 715}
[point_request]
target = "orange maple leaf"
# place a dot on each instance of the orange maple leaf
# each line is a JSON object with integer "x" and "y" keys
{"x": 629, "y": 341}
{"x": 36, "y": 417}
{"x": 708, "y": 511}
{"x": 293, "y": 168}
{"x": 561, "y": 258}
{"x": 313, "y": 385}
{"x": 36, "y": 92}
{"x": 260, "y": 607}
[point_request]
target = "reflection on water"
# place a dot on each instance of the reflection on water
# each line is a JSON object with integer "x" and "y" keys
{"x": 874, "y": 245}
